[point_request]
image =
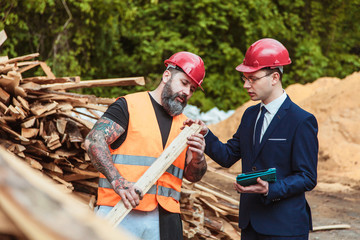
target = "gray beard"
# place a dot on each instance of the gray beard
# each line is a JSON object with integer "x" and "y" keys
{"x": 169, "y": 102}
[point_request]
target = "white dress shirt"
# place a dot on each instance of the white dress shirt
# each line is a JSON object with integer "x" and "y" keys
{"x": 272, "y": 109}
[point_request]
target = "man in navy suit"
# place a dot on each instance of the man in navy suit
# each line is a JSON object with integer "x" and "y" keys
{"x": 287, "y": 141}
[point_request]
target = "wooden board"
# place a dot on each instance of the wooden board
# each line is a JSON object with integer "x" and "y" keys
{"x": 41, "y": 211}
{"x": 96, "y": 83}
{"x": 155, "y": 171}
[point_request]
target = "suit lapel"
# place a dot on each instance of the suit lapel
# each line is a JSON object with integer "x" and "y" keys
{"x": 274, "y": 123}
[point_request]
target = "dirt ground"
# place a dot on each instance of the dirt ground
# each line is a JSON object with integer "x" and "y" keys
{"x": 336, "y": 199}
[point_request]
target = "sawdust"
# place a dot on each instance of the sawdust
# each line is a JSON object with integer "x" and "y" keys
{"x": 336, "y": 105}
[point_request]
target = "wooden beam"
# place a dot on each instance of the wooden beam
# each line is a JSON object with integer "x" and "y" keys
{"x": 41, "y": 211}
{"x": 8, "y": 227}
{"x": 155, "y": 171}
{"x": 96, "y": 83}
{"x": 47, "y": 70}
{"x": 23, "y": 58}
{"x": 331, "y": 227}
{"x": 28, "y": 67}
{"x": 47, "y": 80}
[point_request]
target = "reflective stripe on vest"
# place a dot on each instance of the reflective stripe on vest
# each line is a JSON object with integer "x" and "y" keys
{"x": 145, "y": 161}
{"x": 163, "y": 191}
{"x": 142, "y": 146}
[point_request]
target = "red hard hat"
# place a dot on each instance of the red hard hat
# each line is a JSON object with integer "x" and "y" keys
{"x": 266, "y": 52}
{"x": 190, "y": 63}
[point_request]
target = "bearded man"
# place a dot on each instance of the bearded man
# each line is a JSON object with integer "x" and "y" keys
{"x": 132, "y": 134}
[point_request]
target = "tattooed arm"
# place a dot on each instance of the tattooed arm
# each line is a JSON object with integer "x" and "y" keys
{"x": 195, "y": 160}
{"x": 97, "y": 142}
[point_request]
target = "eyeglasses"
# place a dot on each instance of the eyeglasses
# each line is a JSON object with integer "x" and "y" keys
{"x": 252, "y": 80}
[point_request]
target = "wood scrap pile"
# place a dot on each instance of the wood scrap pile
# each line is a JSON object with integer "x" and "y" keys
{"x": 42, "y": 123}
{"x": 45, "y": 126}
{"x": 208, "y": 213}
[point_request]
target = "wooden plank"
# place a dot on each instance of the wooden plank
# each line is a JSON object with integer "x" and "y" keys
{"x": 23, "y": 58}
{"x": 38, "y": 108}
{"x": 19, "y": 91}
{"x": 29, "y": 122}
{"x": 6, "y": 68}
{"x": 96, "y": 83}
{"x": 72, "y": 130}
{"x": 29, "y": 132}
{"x": 33, "y": 163}
{"x": 47, "y": 70}
{"x": 24, "y": 103}
{"x": 3, "y": 37}
{"x": 331, "y": 227}
{"x": 46, "y": 80}
{"x": 9, "y": 228}
{"x": 28, "y": 67}
{"x": 21, "y": 111}
{"x": 13, "y": 111}
{"x": 82, "y": 99}
{"x": 65, "y": 183}
{"x": 155, "y": 171}
{"x": 92, "y": 106}
{"x": 31, "y": 86}
{"x": 42, "y": 211}
{"x": 76, "y": 177}
{"x": 4, "y": 96}
{"x": 15, "y": 134}
{"x": 84, "y": 122}
{"x": 3, "y": 107}
{"x": 79, "y": 171}
{"x": 52, "y": 167}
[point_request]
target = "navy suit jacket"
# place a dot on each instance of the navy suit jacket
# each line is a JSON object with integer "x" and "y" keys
{"x": 290, "y": 145}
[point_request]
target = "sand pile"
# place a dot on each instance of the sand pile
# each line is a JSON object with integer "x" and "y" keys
{"x": 336, "y": 105}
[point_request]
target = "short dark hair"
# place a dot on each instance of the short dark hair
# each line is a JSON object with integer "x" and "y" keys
{"x": 270, "y": 70}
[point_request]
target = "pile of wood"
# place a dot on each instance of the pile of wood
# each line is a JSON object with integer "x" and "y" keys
{"x": 208, "y": 212}
{"x": 45, "y": 126}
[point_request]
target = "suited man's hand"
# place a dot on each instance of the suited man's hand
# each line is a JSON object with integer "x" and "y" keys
{"x": 262, "y": 187}
{"x": 189, "y": 122}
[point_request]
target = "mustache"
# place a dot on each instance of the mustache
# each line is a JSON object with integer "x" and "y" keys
{"x": 182, "y": 96}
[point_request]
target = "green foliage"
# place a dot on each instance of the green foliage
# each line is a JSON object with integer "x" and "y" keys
{"x": 98, "y": 39}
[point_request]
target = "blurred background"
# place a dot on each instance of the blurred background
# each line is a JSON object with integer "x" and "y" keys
{"x": 98, "y": 39}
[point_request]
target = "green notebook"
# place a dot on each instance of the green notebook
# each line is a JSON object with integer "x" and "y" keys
{"x": 249, "y": 178}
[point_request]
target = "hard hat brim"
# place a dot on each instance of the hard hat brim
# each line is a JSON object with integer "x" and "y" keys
{"x": 247, "y": 69}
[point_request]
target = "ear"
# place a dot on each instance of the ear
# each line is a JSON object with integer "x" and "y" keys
{"x": 275, "y": 78}
{"x": 166, "y": 76}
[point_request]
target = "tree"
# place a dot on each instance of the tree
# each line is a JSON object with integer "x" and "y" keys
{"x": 123, "y": 38}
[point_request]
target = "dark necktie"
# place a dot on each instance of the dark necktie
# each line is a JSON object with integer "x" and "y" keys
{"x": 258, "y": 128}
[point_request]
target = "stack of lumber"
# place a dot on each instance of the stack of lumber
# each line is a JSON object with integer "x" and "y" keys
{"x": 208, "y": 212}
{"x": 42, "y": 124}
{"x": 45, "y": 126}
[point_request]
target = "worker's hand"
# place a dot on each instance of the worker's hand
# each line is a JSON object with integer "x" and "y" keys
{"x": 195, "y": 160}
{"x": 196, "y": 144}
{"x": 262, "y": 187}
{"x": 130, "y": 195}
{"x": 189, "y": 122}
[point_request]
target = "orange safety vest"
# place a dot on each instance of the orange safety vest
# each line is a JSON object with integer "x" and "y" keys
{"x": 142, "y": 146}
